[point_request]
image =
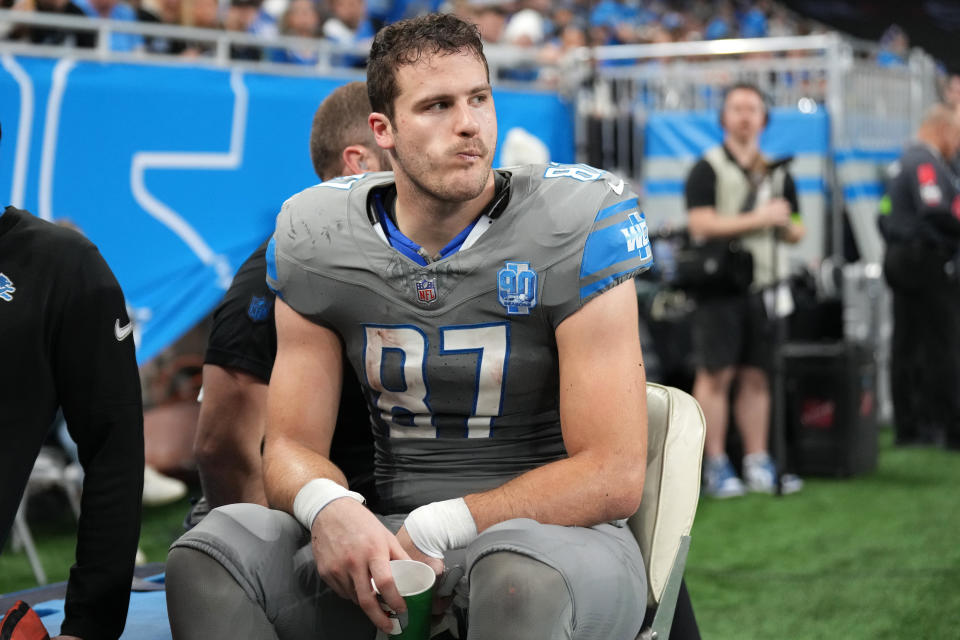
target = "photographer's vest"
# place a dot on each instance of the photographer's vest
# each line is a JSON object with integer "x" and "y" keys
{"x": 733, "y": 189}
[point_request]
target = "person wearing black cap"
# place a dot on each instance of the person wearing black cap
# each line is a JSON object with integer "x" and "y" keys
{"x": 67, "y": 343}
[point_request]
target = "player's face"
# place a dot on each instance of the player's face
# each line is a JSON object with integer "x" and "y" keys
{"x": 444, "y": 128}
{"x": 744, "y": 114}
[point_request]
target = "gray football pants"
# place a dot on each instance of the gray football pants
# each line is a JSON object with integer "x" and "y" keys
{"x": 247, "y": 571}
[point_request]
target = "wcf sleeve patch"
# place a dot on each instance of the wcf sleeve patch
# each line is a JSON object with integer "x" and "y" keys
{"x": 618, "y": 246}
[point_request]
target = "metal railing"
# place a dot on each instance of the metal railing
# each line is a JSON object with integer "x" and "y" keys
{"x": 869, "y": 106}
{"x": 221, "y": 43}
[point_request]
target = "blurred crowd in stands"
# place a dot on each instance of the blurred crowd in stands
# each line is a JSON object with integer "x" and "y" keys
{"x": 551, "y": 28}
{"x": 542, "y": 32}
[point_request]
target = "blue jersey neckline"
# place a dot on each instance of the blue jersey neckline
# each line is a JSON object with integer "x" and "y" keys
{"x": 408, "y": 247}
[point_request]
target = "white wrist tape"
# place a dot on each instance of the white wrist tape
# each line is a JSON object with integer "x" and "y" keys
{"x": 317, "y": 494}
{"x": 439, "y": 526}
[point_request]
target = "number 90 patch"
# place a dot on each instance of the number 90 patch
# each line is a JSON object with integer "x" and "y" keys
{"x": 517, "y": 288}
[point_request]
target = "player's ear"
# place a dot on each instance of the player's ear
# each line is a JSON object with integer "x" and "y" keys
{"x": 382, "y": 129}
{"x": 354, "y": 159}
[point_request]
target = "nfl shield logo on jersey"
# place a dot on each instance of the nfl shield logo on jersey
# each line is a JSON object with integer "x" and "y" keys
{"x": 427, "y": 290}
{"x": 259, "y": 309}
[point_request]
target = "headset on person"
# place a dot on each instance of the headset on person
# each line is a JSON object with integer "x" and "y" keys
{"x": 746, "y": 86}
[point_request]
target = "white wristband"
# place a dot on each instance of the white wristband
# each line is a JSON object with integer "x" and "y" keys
{"x": 439, "y": 526}
{"x": 317, "y": 494}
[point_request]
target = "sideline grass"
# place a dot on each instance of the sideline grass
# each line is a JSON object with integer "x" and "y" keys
{"x": 868, "y": 557}
{"x": 863, "y": 558}
{"x": 56, "y": 539}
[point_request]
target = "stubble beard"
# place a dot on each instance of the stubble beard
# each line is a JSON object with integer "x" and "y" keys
{"x": 428, "y": 179}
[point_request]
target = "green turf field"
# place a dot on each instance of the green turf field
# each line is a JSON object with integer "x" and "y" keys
{"x": 872, "y": 557}
{"x": 876, "y": 556}
{"x": 55, "y": 542}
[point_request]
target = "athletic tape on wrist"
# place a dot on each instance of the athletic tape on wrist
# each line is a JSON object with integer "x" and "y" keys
{"x": 439, "y": 526}
{"x": 315, "y": 495}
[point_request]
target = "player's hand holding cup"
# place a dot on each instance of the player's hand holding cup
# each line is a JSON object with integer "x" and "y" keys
{"x": 414, "y": 580}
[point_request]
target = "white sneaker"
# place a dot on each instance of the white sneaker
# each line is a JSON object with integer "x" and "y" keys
{"x": 790, "y": 483}
{"x": 159, "y": 489}
{"x": 760, "y": 475}
{"x": 720, "y": 480}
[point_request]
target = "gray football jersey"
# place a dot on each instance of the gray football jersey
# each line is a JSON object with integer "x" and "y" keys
{"x": 458, "y": 358}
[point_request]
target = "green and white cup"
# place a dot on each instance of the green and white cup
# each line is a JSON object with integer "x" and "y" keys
{"x": 414, "y": 581}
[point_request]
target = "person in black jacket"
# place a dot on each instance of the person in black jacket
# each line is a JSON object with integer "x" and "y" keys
{"x": 922, "y": 228}
{"x": 67, "y": 343}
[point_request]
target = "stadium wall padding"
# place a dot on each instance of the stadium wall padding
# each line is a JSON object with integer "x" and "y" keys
{"x": 861, "y": 172}
{"x": 177, "y": 172}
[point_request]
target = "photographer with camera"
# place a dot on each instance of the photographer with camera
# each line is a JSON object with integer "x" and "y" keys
{"x": 741, "y": 206}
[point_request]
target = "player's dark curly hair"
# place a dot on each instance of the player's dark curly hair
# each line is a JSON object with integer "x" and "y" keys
{"x": 406, "y": 42}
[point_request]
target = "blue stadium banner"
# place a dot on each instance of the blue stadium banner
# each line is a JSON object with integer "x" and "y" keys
{"x": 177, "y": 172}
{"x": 675, "y": 139}
{"x": 690, "y": 133}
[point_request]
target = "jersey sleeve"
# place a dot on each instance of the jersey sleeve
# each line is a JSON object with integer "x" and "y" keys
{"x": 243, "y": 335}
{"x": 99, "y": 389}
{"x": 295, "y": 244}
{"x": 612, "y": 246}
{"x": 277, "y": 248}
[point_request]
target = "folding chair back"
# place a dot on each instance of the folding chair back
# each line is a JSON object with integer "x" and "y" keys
{"x": 671, "y": 490}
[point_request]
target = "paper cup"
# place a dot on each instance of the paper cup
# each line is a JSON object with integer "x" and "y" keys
{"x": 414, "y": 581}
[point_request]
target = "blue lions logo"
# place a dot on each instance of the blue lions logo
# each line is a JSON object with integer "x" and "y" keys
{"x": 259, "y": 309}
{"x": 6, "y": 288}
